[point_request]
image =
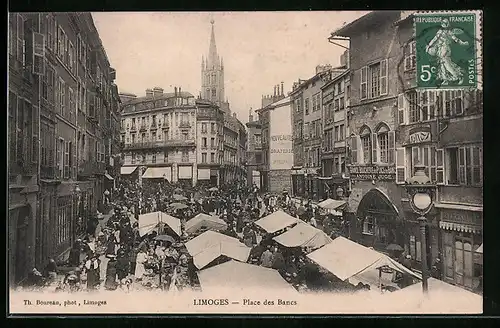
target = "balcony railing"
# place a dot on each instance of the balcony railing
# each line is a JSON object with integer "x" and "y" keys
{"x": 159, "y": 144}
{"x": 133, "y": 127}
{"x": 143, "y": 127}
{"x": 184, "y": 125}
{"x": 88, "y": 168}
{"x": 165, "y": 125}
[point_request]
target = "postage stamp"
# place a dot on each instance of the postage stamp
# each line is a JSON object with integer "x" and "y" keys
{"x": 446, "y": 50}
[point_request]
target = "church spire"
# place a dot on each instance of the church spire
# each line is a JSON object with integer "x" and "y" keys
{"x": 213, "y": 57}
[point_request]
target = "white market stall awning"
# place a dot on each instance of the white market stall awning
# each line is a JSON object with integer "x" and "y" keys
{"x": 109, "y": 177}
{"x": 158, "y": 173}
{"x": 125, "y": 170}
{"x": 210, "y": 245}
{"x": 303, "y": 235}
{"x": 203, "y": 220}
{"x": 243, "y": 276}
{"x": 331, "y": 204}
{"x": 345, "y": 258}
{"x": 457, "y": 299}
{"x": 276, "y": 221}
{"x": 480, "y": 249}
{"x": 150, "y": 221}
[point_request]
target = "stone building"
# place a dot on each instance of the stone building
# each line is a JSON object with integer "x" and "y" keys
{"x": 63, "y": 108}
{"x": 393, "y": 126}
{"x": 159, "y": 136}
{"x": 254, "y": 151}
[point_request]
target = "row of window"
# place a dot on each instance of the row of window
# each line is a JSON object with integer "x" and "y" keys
{"x": 331, "y": 136}
{"x": 313, "y": 157}
{"x": 142, "y": 158}
{"x": 204, "y": 142}
{"x": 204, "y": 158}
{"x": 420, "y": 106}
{"x": 313, "y": 129}
{"x": 146, "y": 137}
{"x": 152, "y": 104}
{"x": 335, "y": 106}
{"x": 210, "y": 79}
{"x": 316, "y": 103}
{"x": 213, "y": 128}
{"x": 372, "y": 148}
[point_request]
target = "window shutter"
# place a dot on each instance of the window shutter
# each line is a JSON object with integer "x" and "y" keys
{"x": 74, "y": 159}
{"x": 38, "y": 54}
{"x": 391, "y": 147}
{"x": 401, "y": 108}
{"x": 440, "y": 166}
{"x": 35, "y": 121}
{"x": 433, "y": 164}
{"x": 374, "y": 148}
{"x": 354, "y": 149}
{"x": 461, "y": 165}
{"x": 383, "y": 77}
{"x": 400, "y": 165}
{"x": 359, "y": 147}
{"x": 364, "y": 84}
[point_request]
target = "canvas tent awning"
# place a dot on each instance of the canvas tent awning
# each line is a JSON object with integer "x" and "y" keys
{"x": 455, "y": 299}
{"x": 237, "y": 275}
{"x": 480, "y": 249}
{"x": 157, "y": 173}
{"x": 150, "y": 221}
{"x": 276, "y": 221}
{"x": 345, "y": 258}
{"x": 331, "y": 204}
{"x": 125, "y": 170}
{"x": 204, "y": 220}
{"x": 109, "y": 177}
{"x": 210, "y": 245}
{"x": 303, "y": 235}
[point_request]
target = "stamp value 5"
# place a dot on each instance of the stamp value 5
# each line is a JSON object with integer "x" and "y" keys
{"x": 446, "y": 50}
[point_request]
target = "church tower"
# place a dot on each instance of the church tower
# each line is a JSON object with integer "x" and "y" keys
{"x": 212, "y": 73}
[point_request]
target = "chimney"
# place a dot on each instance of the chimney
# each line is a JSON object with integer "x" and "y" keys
{"x": 157, "y": 91}
{"x": 275, "y": 91}
{"x": 175, "y": 91}
{"x": 180, "y": 92}
{"x": 149, "y": 93}
{"x": 282, "y": 92}
{"x": 250, "y": 116}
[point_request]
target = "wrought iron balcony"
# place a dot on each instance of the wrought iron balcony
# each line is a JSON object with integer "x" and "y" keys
{"x": 184, "y": 125}
{"x": 143, "y": 127}
{"x": 133, "y": 127}
{"x": 89, "y": 168}
{"x": 159, "y": 144}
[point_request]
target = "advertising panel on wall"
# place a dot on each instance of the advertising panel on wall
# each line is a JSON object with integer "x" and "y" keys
{"x": 280, "y": 136}
{"x": 203, "y": 174}
{"x": 185, "y": 172}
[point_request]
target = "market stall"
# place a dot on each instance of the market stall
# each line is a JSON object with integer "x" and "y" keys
{"x": 150, "y": 222}
{"x": 234, "y": 275}
{"x": 202, "y": 220}
{"x": 332, "y": 206}
{"x": 303, "y": 235}
{"x": 345, "y": 259}
{"x": 276, "y": 221}
{"x": 211, "y": 245}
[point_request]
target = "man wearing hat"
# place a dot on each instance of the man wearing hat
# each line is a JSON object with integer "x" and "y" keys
{"x": 266, "y": 260}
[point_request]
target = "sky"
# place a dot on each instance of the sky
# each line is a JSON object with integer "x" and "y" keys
{"x": 260, "y": 49}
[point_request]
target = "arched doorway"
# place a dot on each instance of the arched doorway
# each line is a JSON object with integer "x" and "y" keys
{"x": 379, "y": 219}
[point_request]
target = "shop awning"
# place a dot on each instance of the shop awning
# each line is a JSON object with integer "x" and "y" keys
{"x": 109, "y": 177}
{"x": 157, "y": 173}
{"x": 276, "y": 221}
{"x": 331, "y": 204}
{"x": 345, "y": 258}
{"x": 124, "y": 170}
{"x": 150, "y": 221}
{"x": 234, "y": 275}
{"x": 480, "y": 249}
{"x": 459, "y": 207}
{"x": 203, "y": 220}
{"x": 459, "y": 227}
{"x": 303, "y": 235}
{"x": 210, "y": 245}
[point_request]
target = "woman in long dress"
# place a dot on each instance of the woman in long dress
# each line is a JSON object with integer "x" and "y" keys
{"x": 139, "y": 266}
{"x": 110, "y": 283}
{"x": 93, "y": 270}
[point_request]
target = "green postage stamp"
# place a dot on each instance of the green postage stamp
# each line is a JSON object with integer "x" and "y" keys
{"x": 446, "y": 50}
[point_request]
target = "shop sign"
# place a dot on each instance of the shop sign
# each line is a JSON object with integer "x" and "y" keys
{"x": 368, "y": 173}
{"x": 463, "y": 217}
{"x": 419, "y": 135}
{"x": 339, "y": 150}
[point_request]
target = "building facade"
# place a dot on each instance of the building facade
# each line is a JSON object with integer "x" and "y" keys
{"x": 57, "y": 65}
{"x": 394, "y": 126}
{"x": 335, "y": 99}
{"x": 254, "y": 151}
{"x": 159, "y": 132}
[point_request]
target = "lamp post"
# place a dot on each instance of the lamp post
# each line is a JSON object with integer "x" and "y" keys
{"x": 306, "y": 186}
{"x": 340, "y": 193}
{"x": 78, "y": 193}
{"x": 421, "y": 193}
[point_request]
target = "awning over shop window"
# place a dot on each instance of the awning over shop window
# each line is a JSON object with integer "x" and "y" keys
{"x": 109, "y": 177}
{"x": 185, "y": 172}
{"x": 480, "y": 249}
{"x": 459, "y": 227}
{"x": 203, "y": 174}
{"x": 158, "y": 173}
{"x": 127, "y": 170}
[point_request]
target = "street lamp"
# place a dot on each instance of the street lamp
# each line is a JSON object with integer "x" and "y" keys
{"x": 340, "y": 192}
{"x": 78, "y": 213}
{"x": 421, "y": 192}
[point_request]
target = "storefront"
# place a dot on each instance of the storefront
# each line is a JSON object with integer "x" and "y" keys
{"x": 461, "y": 232}
{"x": 185, "y": 175}
{"x": 298, "y": 182}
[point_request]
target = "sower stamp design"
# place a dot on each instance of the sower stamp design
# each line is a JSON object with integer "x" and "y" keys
{"x": 446, "y": 50}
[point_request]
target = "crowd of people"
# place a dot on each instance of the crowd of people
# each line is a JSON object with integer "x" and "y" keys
{"x": 159, "y": 258}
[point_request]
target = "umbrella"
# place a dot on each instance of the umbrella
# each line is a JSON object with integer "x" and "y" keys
{"x": 165, "y": 238}
{"x": 178, "y": 206}
{"x": 213, "y": 189}
{"x": 394, "y": 247}
{"x": 179, "y": 197}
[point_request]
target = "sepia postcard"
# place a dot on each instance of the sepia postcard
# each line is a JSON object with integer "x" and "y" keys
{"x": 319, "y": 162}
